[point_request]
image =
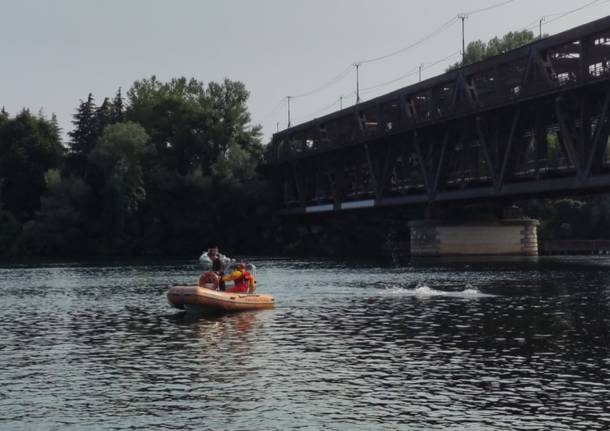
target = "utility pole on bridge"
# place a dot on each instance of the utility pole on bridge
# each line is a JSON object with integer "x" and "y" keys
{"x": 357, "y": 66}
{"x": 463, "y": 17}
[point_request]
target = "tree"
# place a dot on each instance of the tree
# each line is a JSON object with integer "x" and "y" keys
{"x": 478, "y": 50}
{"x": 59, "y": 228}
{"x": 85, "y": 129}
{"x": 103, "y": 118}
{"x": 237, "y": 146}
{"x": 193, "y": 127}
{"x": 118, "y": 154}
{"x": 201, "y": 180}
{"x": 9, "y": 231}
{"x": 29, "y": 147}
{"x": 117, "y": 109}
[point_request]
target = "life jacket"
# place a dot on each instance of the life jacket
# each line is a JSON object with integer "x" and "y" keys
{"x": 242, "y": 283}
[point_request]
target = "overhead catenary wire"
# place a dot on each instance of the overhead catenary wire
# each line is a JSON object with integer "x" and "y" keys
{"x": 445, "y": 26}
{"x": 485, "y": 9}
{"x": 273, "y": 110}
{"x": 348, "y": 96}
{"x": 439, "y": 30}
{"x": 578, "y": 9}
{"x": 337, "y": 101}
{"x": 448, "y": 24}
{"x": 557, "y": 16}
{"x": 411, "y": 72}
{"x": 334, "y": 80}
{"x": 442, "y": 28}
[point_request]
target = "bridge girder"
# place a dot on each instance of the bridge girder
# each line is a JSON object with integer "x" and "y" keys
{"x": 534, "y": 121}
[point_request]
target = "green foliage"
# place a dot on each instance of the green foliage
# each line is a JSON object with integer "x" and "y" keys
{"x": 193, "y": 126}
{"x": 511, "y": 40}
{"x": 553, "y": 148}
{"x": 478, "y": 50}
{"x": 117, "y": 110}
{"x": 59, "y": 228}
{"x": 9, "y": 231}
{"x": 584, "y": 218}
{"x": 174, "y": 169}
{"x": 29, "y": 146}
{"x": 119, "y": 155}
{"x": 85, "y": 130}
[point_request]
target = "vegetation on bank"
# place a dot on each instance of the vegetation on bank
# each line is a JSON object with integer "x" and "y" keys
{"x": 173, "y": 167}
{"x": 478, "y": 50}
{"x": 166, "y": 170}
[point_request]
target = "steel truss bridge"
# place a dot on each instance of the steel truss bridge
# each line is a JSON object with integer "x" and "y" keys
{"x": 532, "y": 122}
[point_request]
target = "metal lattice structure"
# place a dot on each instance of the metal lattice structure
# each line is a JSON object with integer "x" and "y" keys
{"x": 533, "y": 121}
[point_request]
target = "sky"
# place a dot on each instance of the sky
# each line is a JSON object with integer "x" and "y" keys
{"x": 55, "y": 52}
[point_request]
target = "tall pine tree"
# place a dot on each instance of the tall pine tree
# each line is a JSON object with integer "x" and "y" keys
{"x": 103, "y": 117}
{"x": 85, "y": 131}
{"x": 117, "y": 109}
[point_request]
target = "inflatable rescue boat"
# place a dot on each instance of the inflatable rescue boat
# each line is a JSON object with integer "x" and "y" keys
{"x": 202, "y": 299}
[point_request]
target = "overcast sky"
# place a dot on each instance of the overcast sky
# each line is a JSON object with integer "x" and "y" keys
{"x": 54, "y": 52}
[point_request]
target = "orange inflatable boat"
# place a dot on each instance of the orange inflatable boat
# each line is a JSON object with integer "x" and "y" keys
{"x": 207, "y": 300}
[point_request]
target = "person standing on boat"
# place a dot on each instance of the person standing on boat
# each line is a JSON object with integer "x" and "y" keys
{"x": 218, "y": 266}
{"x": 244, "y": 281}
{"x": 214, "y": 255}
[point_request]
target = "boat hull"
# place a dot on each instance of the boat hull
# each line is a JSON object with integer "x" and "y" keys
{"x": 207, "y": 300}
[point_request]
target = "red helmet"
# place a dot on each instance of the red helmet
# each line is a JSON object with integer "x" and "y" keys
{"x": 241, "y": 266}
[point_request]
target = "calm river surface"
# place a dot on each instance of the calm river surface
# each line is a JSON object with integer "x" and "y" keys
{"x": 510, "y": 345}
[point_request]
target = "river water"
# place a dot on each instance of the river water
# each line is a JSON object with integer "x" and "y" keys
{"x": 439, "y": 345}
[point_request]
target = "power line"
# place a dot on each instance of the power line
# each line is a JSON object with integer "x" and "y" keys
{"x": 578, "y": 9}
{"x": 411, "y": 72}
{"x": 326, "y": 108}
{"x": 560, "y": 15}
{"x": 348, "y": 96}
{"x": 485, "y": 9}
{"x": 444, "y": 27}
{"x": 336, "y": 79}
{"x": 274, "y": 109}
{"x": 439, "y": 30}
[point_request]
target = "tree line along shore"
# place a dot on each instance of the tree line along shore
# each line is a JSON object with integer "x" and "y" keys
{"x": 169, "y": 168}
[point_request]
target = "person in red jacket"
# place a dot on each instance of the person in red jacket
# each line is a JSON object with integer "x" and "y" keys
{"x": 244, "y": 281}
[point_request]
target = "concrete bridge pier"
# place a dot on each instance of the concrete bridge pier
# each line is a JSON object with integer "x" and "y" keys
{"x": 509, "y": 237}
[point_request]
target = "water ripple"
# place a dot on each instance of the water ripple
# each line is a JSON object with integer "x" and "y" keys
{"x": 515, "y": 346}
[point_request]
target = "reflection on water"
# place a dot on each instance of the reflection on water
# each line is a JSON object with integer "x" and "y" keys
{"x": 454, "y": 344}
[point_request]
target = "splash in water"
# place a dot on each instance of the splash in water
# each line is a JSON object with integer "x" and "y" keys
{"x": 424, "y": 290}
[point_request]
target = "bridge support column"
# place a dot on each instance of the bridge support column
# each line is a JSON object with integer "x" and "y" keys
{"x": 516, "y": 237}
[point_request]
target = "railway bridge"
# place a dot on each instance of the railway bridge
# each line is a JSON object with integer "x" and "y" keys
{"x": 532, "y": 122}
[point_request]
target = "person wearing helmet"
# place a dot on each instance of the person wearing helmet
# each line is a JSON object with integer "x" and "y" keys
{"x": 244, "y": 281}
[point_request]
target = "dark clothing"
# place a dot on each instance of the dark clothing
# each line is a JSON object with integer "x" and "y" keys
{"x": 217, "y": 268}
